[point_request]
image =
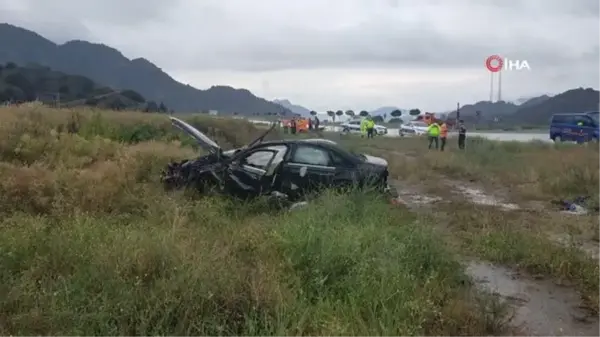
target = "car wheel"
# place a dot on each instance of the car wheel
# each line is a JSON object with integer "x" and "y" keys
{"x": 557, "y": 139}
{"x": 345, "y": 130}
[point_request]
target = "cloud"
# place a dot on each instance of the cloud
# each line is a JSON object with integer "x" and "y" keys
{"x": 316, "y": 43}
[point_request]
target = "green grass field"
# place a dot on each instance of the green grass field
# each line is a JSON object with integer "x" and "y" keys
{"x": 92, "y": 245}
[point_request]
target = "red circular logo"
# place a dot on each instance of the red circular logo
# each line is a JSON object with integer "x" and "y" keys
{"x": 494, "y": 63}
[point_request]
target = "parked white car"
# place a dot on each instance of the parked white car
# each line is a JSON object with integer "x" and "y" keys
{"x": 416, "y": 128}
{"x": 354, "y": 126}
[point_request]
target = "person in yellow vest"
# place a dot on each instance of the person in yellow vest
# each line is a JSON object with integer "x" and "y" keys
{"x": 443, "y": 135}
{"x": 433, "y": 133}
{"x": 363, "y": 127}
{"x": 370, "y": 127}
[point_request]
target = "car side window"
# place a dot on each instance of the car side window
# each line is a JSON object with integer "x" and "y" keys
{"x": 585, "y": 120}
{"x": 337, "y": 160}
{"x": 311, "y": 155}
{"x": 281, "y": 151}
{"x": 259, "y": 159}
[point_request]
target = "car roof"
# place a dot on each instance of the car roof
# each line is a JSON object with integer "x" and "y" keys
{"x": 295, "y": 141}
{"x": 575, "y": 113}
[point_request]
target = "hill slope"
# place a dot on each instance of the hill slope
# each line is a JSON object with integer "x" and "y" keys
{"x": 108, "y": 66}
{"x": 297, "y": 109}
{"x": 34, "y": 82}
{"x": 571, "y": 101}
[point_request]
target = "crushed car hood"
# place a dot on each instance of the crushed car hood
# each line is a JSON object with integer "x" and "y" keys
{"x": 375, "y": 160}
{"x": 203, "y": 140}
{"x": 210, "y": 145}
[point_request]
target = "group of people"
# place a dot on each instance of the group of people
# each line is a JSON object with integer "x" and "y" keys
{"x": 295, "y": 125}
{"x": 367, "y": 127}
{"x": 438, "y": 134}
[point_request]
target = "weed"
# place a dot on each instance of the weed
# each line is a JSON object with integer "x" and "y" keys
{"x": 92, "y": 245}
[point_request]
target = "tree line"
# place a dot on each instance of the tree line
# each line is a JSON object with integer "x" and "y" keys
{"x": 396, "y": 114}
{"x": 39, "y": 83}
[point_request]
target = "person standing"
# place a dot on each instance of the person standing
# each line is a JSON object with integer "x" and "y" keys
{"x": 293, "y": 126}
{"x": 316, "y": 124}
{"x": 443, "y": 135}
{"x": 370, "y": 127}
{"x": 433, "y": 132}
{"x": 363, "y": 127}
{"x": 462, "y": 134}
{"x": 310, "y": 124}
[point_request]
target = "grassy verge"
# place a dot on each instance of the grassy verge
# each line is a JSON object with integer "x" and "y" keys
{"x": 524, "y": 173}
{"x": 525, "y": 240}
{"x": 91, "y": 245}
{"x": 526, "y": 170}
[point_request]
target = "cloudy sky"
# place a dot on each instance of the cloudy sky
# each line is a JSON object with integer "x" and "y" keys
{"x": 340, "y": 54}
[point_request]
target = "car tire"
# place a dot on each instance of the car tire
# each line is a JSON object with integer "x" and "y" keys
{"x": 345, "y": 130}
{"x": 557, "y": 139}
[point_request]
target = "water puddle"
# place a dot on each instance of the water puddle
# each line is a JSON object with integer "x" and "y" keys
{"x": 540, "y": 307}
{"x": 412, "y": 198}
{"x": 479, "y": 197}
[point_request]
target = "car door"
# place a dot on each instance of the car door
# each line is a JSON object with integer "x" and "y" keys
{"x": 253, "y": 173}
{"x": 586, "y": 129}
{"x": 568, "y": 127}
{"x": 309, "y": 169}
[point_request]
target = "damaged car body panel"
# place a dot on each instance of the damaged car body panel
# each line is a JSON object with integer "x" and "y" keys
{"x": 293, "y": 168}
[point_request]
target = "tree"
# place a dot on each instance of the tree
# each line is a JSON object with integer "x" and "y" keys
{"x": 151, "y": 107}
{"x": 313, "y": 113}
{"x": 339, "y": 113}
{"x": 117, "y": 104}
{"x": 350, "y": 113}
{"x": 396, "y": 113}
{"x": 331, "y": 114}
{"x": 11, "y": 65}
{"x": 363, "y": 113}
{"x": 64, "y": 89}
{"x": 414, "y": 112}
{"x": 20, "y": 81}
{"x": 91, "y": 101}
{"x": 162, "y": 108}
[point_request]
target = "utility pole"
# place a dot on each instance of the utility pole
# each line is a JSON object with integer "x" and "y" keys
{"x": 457, "y": 112}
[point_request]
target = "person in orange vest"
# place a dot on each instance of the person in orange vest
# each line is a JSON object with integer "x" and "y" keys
{"x": 443, "y": 135}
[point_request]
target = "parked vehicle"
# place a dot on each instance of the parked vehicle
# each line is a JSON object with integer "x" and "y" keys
{"x": 354, "y": 126}
{"x": 290, "y": 169}
{"x": 416, "y": 128}
{"x": 575, "y": 127}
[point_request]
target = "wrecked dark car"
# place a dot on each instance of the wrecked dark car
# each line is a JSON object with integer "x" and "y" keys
{"x": 290, "y": 169}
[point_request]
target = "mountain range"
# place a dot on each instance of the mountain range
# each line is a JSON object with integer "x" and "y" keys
{"x": 296, "y": 109}
{"x": 107, "y": 66}
{"x": 22, "y": 84}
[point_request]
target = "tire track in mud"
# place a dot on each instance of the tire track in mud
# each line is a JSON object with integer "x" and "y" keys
{"x": 539, "y": 306}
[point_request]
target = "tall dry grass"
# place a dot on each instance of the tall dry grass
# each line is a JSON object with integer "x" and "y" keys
{"x": 90, "y": 244}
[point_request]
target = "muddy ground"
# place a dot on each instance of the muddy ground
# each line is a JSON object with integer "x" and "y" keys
{"x": 538, "y": 305}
